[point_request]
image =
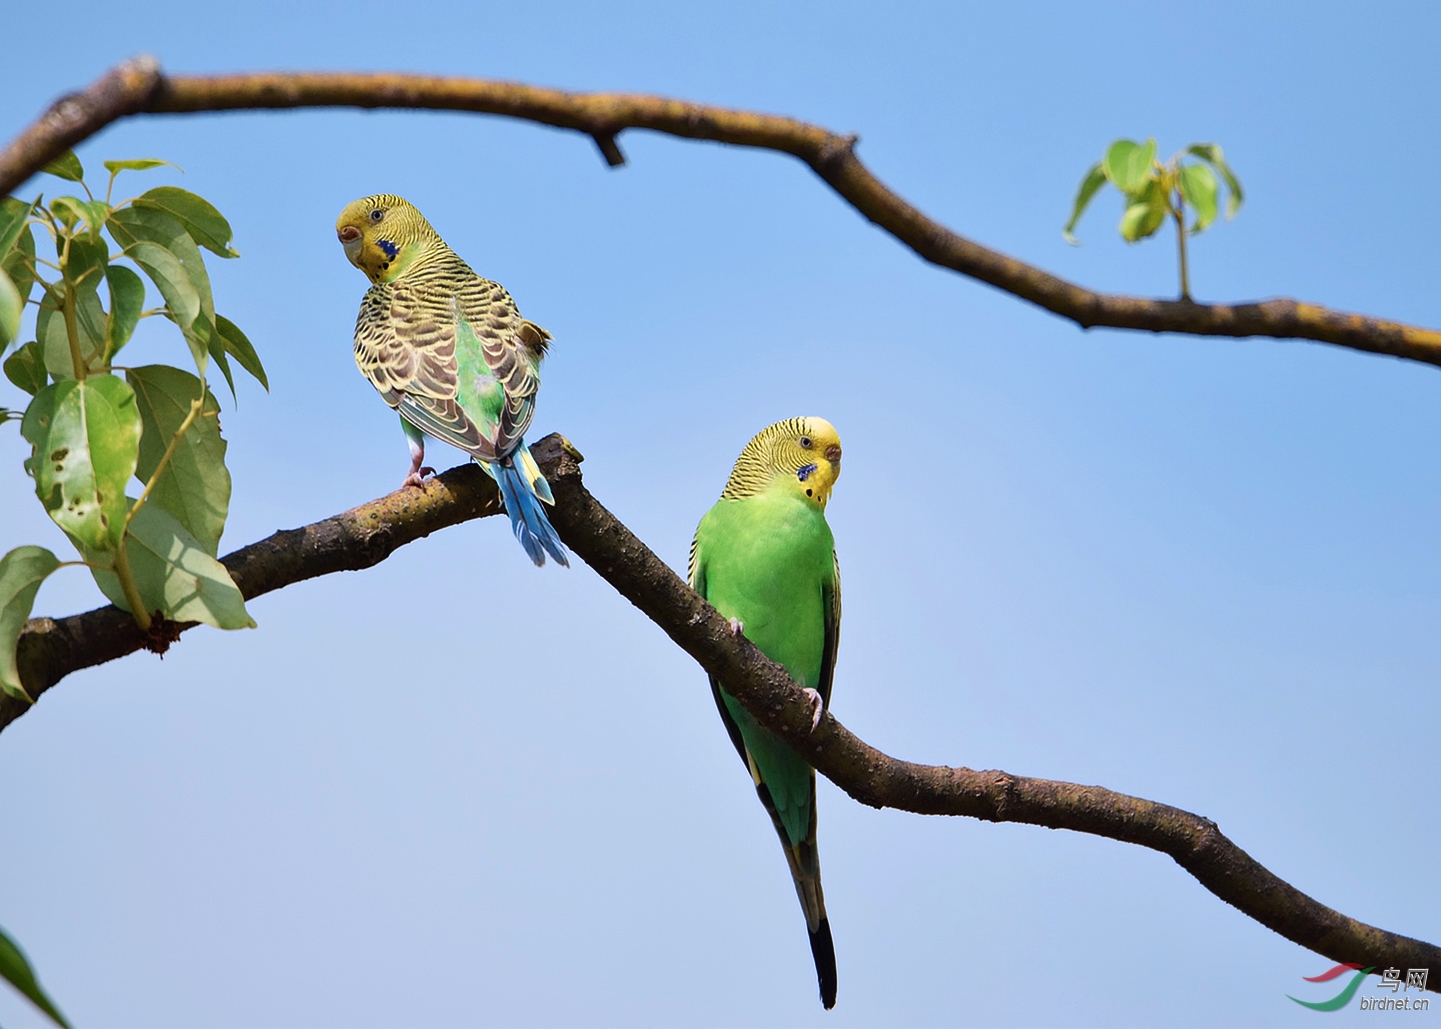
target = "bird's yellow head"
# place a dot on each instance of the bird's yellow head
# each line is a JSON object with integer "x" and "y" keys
{"x": 383, "y": 235}
{"x": 802, "y": 455}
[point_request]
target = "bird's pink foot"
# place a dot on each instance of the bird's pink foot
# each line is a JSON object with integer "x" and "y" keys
{"x": 737, "y": 626}
{"x": 417, "y": 478}
{"x": 818, "y": 706}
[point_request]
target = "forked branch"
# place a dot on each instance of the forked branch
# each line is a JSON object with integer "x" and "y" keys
{"x": 139, "y": 87}
{"x": 50, "y": 650}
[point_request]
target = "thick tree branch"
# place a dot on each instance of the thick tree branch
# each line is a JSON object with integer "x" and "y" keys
{"x": 363, "y": 537}
{"x": 139, "y": 87}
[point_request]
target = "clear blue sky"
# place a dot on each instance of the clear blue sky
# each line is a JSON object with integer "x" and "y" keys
{"x": 454, "y": 790}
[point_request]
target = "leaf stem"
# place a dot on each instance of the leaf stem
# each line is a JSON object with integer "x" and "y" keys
{"x": 46, "y": 222}
{"x": 127, "y": 583}
{"x": 72, "y": 329}
{"x": 1178, "y": 212}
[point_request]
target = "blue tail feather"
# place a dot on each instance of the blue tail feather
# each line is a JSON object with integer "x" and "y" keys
{"x": 527, "y": 517}
{"x": 533, "y": 475}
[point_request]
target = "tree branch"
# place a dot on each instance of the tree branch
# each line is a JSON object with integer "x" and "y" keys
{"x": 138, "y": 86}
{"x": 50, "y": 649}
{"x": 366, "y": 535}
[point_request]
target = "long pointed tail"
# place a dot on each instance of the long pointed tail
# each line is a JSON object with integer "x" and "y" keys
{"x": 801, "y": 856}
{"x": 824, "y": 953}
{"x": 522, "y": 487}
{"x": 806, "y": 871}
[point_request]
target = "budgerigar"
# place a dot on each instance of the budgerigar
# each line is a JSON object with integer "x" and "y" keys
{"x": 449, "y": 351}
{"x": 764, "y": 557}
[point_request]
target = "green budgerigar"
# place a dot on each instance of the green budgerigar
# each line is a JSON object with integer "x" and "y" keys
{"x": 450, "y": 352}
{"x": 764, "y": 557}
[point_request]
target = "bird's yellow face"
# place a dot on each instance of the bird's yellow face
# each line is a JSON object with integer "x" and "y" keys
{"x": 811, "y": 455}
{"x": 801, "y": 455}
{"x": 382, "y": 235}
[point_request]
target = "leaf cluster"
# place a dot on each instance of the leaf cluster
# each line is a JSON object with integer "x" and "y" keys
{"x": 96, "y": 426}
{"x": 1154, "y": 190}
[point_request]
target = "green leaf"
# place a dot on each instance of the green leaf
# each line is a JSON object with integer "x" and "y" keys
{"x": 238, "y": 346}
{"x": 21, "y": 573}
{"x": 1198, "y": 186}
{"x": 197, "y": 337}
{"x": 163, "y": 249}
{"x": 139, "y": 164}
{"x": 127, "y": 301}
{"x": 49, "y": 322}
{"x": 12, "y": 305}
{"x": 17, "y": 971}
{"x": 206, "y": 225}
{"x": 181, "y": 301}
{"x": 87, "y": 261}
{"x": 86, "y": 437}
{"x": 1145, "y": 214}
{"x": 217, "y": 354}
{"x": 1128, "y": 164}
{"x": 19, "y": 262}
{"x": 95, "y": 213}
{"x": 72, "y": 210}
{"x": 67, "y": 210}
{"x": 51, "y": 333}
{"x": 12, "y": 221}
{"x": 26, "y": 368}
{"x": 1094, "y": 180}
{"x": 7, "y": 415}
{"x": 195, "y": 486}
{"x": 66, "y": 166}
{"x": 170, "y": 278}
{"x": 130, "y": 225}
{"x": 1211, "y": 154}
{"x": 173, "y": 574}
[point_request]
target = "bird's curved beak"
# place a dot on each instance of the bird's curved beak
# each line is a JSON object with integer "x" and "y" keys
{"x": 833, "y": 459}
{"x": 352, "y": 240}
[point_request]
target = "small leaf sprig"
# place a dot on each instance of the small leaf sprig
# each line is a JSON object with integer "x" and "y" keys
{"x": 1155, "y": 191}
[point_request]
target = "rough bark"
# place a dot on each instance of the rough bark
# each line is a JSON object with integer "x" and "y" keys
{"x": 139, "y": 87}
{"x": 366, "y": 535}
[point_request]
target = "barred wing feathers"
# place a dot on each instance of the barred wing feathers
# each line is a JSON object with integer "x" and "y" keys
{"x": 406, "y": 342}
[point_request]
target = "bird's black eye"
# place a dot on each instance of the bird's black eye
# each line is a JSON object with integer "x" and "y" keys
{"x": 376, "y": 215}
{"x": 805, "y": 441}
